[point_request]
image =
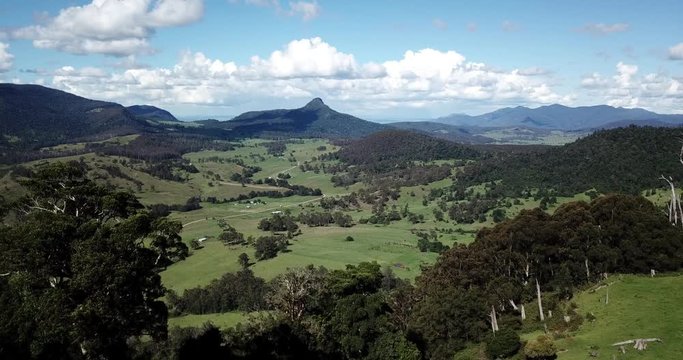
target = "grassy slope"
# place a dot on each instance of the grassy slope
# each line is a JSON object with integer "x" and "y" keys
{"x": 639, "y": 307}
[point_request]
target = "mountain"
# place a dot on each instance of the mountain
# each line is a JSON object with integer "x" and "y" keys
{"x": 33, "y": 116}
{"x": 561, "y": 117}
{"x": 149, "y": 112}
{"x": 313, "y": 120}
{"x": 443, "y": 131}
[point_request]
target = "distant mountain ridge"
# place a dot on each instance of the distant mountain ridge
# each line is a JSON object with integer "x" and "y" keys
{"x": 563, "y": 117}
{"x": 33, "y": 116}
{"x": 315, "y": 119}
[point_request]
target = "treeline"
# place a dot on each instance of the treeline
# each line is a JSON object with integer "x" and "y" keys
{"x": 382, "y": 151}
{"x": 233, "y": 291}
{"x": 156, "y": 147}
{"x": 626, "y": 160}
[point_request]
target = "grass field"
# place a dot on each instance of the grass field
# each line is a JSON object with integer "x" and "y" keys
{"x": 639, "y": 307}
{"x": 222, "y": 321}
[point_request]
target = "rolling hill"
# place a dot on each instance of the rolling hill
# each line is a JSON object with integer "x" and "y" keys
{"x": 443, "y": 131}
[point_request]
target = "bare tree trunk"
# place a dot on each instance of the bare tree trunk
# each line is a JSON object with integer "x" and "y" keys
{"x": 523, "y": 312}
{"x": 588, "y": 272}
{"x": 494, "y": 319}
{"x": 607, "y": 296}
{"x": 675, "y": 207}
{"x": 540, "y": 304}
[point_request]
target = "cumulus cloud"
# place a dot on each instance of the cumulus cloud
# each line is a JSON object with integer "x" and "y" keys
{"x": 676, "y": 52}
{"x": 603, "y": 29}
{"x": 655, "y": 91}
{"x": 110, "y": 27}
{"x": 6, "y": 57}
{"x": 311, "y": 67}
{"x": 305, "y": 58}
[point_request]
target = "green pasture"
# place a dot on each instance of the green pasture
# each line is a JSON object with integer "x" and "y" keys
{"x": 639, "y": 307}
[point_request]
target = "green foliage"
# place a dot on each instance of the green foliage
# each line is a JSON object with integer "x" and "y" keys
{"x": 542, "y": 348}
{"x": 365, "y": 278}
{"x": 356, "y": 322}
{"x": 243, "y": 260}
{"x": 79, "y": 277}
{"x": 503, "y": 344}
{"x": 233, "y": 291}
{"x": 446, "y": 319}
{"x": 278, "y": 222}
{"x": 230, "y": 235}
{"x": 620, "y": 160}
{"x": 267, "y": 247}
{"x": 393, "y": 346}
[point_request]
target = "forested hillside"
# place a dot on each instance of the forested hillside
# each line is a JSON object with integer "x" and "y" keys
{"x": 34, "y": 116}
{"x": 620, "y": 160}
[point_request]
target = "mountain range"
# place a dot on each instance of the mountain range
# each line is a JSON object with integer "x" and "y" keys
{"x": 562, "y": 117}
{"x": 33, "y": 116}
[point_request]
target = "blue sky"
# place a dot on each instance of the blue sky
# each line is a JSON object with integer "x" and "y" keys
{"x": 381, "y": 60}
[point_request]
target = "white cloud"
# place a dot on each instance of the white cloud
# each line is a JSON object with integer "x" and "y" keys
{"x": 311, "y": 67}
{"x": 604, "y": 29}
{"x": 305, "y": 58}
{"x": 110, "y": 27}
{"x": 676, "y": 52}
{"x": 655, "y": 91}
{"x": 6, "y": 57}
{"x": 307, "y": 10}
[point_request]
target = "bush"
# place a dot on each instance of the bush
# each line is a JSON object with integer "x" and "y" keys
{"x": 503, "y": 344}
{"x": 349, "y": 238}
{"x": 543, "y": 348}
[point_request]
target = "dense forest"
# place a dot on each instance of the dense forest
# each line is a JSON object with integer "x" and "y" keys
{"x": 625, "y": 160}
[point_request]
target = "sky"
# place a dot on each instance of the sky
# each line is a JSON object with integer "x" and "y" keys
{"x": 380, "y": 60}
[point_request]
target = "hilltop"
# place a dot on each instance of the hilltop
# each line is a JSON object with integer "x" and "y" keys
{"x": 315, "y": 119}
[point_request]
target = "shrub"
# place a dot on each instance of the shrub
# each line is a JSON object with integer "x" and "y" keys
{"x": 503, "y": 344}
{"x": 542, "y": 348}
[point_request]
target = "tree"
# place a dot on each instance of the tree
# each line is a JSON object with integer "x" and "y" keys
{"x": 295, "y": 292}
{"x": 230, "y": 235}
{"x": 267, "y": 247}
{"x": 78, "y": 279}
{"x": 243, "y": 260}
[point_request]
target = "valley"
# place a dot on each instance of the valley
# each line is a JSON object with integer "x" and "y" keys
{"x": 384, "y": 213}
